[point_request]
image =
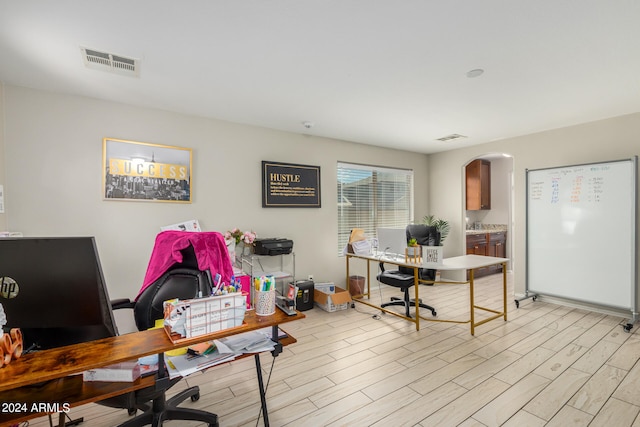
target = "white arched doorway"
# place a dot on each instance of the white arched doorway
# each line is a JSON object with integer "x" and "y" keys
{"x": 500, "y": 215}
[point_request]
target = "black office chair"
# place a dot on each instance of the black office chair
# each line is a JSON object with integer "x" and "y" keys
{"x": 403, "y": 277}
{"x": 183, "y": 281}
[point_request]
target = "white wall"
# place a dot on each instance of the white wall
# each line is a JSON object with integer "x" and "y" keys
{"x": 610, "y": 139}
{"x": 53, "y": 168}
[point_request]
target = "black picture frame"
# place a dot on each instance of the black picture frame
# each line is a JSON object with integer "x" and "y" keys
{"x": 288, "y": 185}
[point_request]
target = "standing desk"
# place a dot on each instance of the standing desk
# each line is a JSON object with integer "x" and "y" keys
{"x": 50, "y": 376}
{"x": 468, "y": 263}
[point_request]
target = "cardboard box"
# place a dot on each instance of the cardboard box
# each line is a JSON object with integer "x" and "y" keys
{"x": 326, "y": 287}
{"x": 339, "y": 299}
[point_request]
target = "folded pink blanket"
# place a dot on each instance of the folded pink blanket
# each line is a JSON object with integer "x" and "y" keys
{"x": 209, "y": 247}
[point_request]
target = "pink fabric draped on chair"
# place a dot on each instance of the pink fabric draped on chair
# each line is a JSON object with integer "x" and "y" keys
{"x": 209, "y": 247}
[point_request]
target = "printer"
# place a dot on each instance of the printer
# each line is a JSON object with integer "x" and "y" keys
{"x": 272, "y": 246}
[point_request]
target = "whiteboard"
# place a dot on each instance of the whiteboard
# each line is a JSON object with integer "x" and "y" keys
{"x": 581, "y": 233}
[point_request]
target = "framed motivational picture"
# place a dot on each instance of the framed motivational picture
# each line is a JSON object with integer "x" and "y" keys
{"x": 286, "y": 185}
{"x": 140, "y": 171}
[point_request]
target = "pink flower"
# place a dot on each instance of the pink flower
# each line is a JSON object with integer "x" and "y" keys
{"x": 249, "y": 237}
{"x": 246, "y": 237}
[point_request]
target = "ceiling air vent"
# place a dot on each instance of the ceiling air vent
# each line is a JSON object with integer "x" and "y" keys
{"x": 451, "y": 137}
{"x": 110, "y": 62}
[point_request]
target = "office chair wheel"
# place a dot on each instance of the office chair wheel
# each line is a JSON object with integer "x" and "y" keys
{"x": 195, "y": 397}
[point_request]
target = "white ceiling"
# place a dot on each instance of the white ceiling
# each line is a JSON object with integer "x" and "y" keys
{"x": 382, "y": 72}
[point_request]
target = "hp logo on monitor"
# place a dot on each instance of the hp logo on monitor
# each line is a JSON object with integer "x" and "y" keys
{"x": 8, "y": 288}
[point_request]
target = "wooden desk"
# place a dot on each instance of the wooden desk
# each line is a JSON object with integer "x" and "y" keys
{"x": 22, "y": 380}
{"x": 465, "y": 262}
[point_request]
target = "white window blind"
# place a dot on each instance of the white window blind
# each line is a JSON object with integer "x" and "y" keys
{"x": 370, "y": 197}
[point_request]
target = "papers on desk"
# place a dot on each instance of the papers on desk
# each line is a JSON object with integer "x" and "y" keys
{"x": 227, "y": 349}
{"x": 181, "y": 366}
{"x": 249, "y": 342}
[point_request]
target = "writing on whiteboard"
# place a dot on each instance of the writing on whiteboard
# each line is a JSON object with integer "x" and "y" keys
{"x": 583, "y": 188}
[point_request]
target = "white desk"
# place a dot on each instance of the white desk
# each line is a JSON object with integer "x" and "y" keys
{"x": 464, "y": 262}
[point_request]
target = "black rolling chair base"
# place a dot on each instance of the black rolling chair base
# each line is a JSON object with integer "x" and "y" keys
{"x": 398, "y": 301}
{"x": 164, "y": 410}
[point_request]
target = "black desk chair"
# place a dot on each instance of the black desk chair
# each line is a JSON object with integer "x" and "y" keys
{"x": 183, "y": 281}
{"x": 403, "y": 277}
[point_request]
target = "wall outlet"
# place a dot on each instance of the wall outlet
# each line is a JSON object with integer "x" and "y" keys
{"x": 310, "y": 277}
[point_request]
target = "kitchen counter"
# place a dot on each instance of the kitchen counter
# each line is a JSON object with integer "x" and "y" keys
{"x": 489, "y": 228}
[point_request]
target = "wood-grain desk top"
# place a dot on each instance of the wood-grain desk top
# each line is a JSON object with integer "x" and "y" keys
{"x": 60, "y": 362}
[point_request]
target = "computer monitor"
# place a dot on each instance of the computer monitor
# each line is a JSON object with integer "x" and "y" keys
{"x": 53, "y": 289}
{"x": 392, "y": 241}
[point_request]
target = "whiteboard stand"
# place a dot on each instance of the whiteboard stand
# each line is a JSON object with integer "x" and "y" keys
{"x": 526, "y": 296}
{"x": 581, "y": 234}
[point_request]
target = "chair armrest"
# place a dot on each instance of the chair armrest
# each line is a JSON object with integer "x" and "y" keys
{"x": 117, "y": 304}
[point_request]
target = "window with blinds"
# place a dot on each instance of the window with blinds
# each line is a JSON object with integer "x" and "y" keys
{"x": 370, "y": 197}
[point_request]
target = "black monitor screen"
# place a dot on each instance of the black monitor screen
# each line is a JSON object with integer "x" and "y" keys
{"x": 53, "y": 289}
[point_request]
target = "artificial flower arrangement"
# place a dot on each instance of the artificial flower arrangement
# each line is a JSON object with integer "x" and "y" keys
{"x": 247, "y": 237}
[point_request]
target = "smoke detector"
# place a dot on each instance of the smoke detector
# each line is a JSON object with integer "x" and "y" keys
{"x": 110, "y": 62}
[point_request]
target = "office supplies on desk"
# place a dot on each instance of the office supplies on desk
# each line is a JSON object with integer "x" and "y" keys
{"x": 200, "y": 316}
{"x": 264, "y": 283}
{"x": 265, "y": 302}
{"x": 247, "y": 342}
{"x": 221, "y": 351}
{"x": 362, "y": 247}
{"x": 286, "y": 305}
{"x": 199, "y": 348}
{"x": 182, "y": 366}
{"x": 218, "y": 283}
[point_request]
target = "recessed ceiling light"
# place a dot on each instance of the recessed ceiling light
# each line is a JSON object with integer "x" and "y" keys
{"x": 475, "y": 73}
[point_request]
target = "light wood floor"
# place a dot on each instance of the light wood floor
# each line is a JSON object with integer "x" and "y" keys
{"x": 547, "y": 365}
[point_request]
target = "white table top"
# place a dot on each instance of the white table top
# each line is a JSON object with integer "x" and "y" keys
{"x": 466, "y": 262}
{"x": 462, "y": 262}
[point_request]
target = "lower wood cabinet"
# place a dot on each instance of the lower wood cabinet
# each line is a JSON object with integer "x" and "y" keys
{"x": 489, "y": 244}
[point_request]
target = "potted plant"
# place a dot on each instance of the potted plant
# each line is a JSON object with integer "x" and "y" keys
{"x": 441, "y": 225}
{"x": 414, "y": 251}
